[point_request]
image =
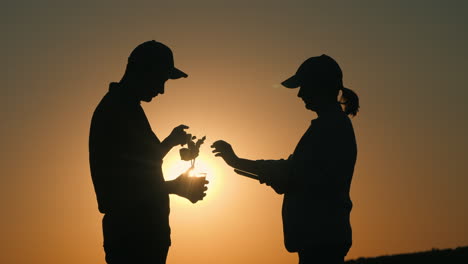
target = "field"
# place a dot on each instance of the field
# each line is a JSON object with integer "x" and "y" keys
{"x": 440, "y": 256}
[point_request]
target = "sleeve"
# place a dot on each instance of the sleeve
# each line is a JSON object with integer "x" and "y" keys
{"x": 275, "y": 173}
{"x": 125, "y": 171}
{"x": 123, "y": 139}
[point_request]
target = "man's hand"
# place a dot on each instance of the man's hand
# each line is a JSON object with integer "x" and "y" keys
{"x": 178, "y": 136}
{"x": 192, "y": 188}
{"x": 224, "y": 150}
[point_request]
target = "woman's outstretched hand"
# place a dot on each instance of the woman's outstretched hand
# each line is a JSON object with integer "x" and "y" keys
{"x": 224, "y": 150}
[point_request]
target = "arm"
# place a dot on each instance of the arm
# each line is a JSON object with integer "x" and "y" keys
{"x": 177, "y": 137}
{"x": 274, "y": 173}
{"x": 245, "y": 165}
{"x": 224, "y": 150}
{"x": 171, "y": 187}
{"x": 165, "y": 147}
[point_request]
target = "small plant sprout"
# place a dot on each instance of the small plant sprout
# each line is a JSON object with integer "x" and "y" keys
{"x": 190, "y": 153}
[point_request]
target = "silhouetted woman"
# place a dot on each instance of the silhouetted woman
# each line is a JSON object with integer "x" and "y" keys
{"x": 316, "y": 178}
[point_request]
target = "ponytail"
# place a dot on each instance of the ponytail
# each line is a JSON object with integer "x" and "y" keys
{"x": 350, "y": 100}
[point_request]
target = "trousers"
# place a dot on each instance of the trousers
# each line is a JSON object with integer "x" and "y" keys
{"x": 127, "y": 241}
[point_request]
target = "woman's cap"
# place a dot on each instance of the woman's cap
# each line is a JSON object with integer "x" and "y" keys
{"x": 321, "y": 69}
{"x": 155, "y": 54}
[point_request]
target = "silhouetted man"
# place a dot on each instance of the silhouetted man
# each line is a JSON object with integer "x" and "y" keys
{"x": 126, "y": 158}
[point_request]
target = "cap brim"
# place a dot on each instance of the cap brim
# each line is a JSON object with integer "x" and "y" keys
{"x": 292, "y": 82}
{"x": 176, "y": 74}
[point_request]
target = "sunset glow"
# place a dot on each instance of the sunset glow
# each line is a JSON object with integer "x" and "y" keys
{"x": 406, "y": 60}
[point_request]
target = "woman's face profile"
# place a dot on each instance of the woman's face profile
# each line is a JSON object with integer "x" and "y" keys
{"x": 317, "y": 95}
{"x": 309, "y": 94}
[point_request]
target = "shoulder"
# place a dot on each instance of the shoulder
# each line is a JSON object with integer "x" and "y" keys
{"x": 108, "y": 114}
{"x": 336, "y": 127}
{"x": 104, "y": 109}
{"x": 111, "y": 105}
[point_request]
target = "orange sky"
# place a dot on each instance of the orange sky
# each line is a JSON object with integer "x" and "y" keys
{"x": 405, "y": 61}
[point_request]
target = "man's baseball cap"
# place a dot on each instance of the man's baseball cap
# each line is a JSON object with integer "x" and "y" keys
{"x": 155, "y": 54}
{"x": 319, "y": 69}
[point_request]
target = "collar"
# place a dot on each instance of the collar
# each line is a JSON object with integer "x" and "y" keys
{"x": 330, "y": 109}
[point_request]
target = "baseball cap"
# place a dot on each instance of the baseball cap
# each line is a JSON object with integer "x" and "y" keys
{"x": 155, "y": 54}
{"x": 321, "y": 68}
